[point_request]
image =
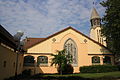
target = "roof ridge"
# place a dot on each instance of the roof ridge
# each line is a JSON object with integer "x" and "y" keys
{"x": 74, "y": 30}
{"x": 33, "y": 38}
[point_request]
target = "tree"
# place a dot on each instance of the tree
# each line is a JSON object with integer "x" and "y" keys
{"x": 61, "y": 60}
{"x": 111, "y": 25}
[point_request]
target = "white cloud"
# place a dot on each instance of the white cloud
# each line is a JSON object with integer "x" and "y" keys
{"x": 40, "y": 18}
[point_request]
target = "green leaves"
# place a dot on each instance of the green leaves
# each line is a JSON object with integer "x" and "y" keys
{"x": 98, "y": 69}
{"x": 61, "y": 59}
{"x": 58, "y": 58}
{"x": 111, "y": 24}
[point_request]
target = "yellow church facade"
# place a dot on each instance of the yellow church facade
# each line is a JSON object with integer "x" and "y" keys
{"x": 84, "y": 50}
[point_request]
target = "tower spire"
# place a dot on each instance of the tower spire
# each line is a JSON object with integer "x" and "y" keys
{"x": 95, "y": 18}
{"x": 95, "y": 31}
{"x": 94, "y": 14}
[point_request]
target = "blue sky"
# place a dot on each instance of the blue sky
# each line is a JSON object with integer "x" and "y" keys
{"x": 41, "y": 18}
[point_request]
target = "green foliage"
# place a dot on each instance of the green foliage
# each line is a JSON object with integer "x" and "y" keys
{"x": 61, "y": 60}
{"x": 98, "y": 69}
{"x": 58, "y": 58}
{"x": 66, "y": 69}
{"x": 111, "y": 24}
{"x": 107, "y": 60}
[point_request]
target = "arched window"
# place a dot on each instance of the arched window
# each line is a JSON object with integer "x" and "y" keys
{"x": 94, "y": 22}
{"x": 98, "y": 22}
{"x": 28, "y": 60}
{"x": 95, "y": 60}
{"x": 71, "y": 48}
{"x": 107, "y": 60}
{"x": 42, "y": 60}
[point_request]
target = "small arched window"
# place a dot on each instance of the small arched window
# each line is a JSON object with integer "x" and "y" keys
{"x": 28, "y": 60}
{"x": 107, "y": 60}
{"x": 94, "y": 22}
{"x": 95, "y": 59}
{"x": 42, "y": 60}
{"x": 71, "y": 48}
{"x": 98, "y": 22}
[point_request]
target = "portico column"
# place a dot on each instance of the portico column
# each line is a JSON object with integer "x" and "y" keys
{"x": 35, "y": 65}
{"x": 101, "y": 60}
{"x": 112, "y": 60}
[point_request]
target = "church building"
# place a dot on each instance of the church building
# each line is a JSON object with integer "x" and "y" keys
{"x": 85, "y": 50}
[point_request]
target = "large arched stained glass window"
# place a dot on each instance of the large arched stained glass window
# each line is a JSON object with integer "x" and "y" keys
{"x": 71, "y": 48}
{"x": 42, "y": 60}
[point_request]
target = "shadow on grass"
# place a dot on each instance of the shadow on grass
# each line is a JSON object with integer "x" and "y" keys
{"x": 53, "y": 77}
{"x": 43, "y": 77}
{"x": 58, "y": 77}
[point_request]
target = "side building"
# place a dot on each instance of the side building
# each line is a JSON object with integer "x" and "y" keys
{"x": 11, "y": 63}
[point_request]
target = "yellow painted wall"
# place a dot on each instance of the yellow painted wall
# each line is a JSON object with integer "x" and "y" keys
{"x": 20, "y": 63}
{"x": 10, "y": 57}
{"x": 49, "y": 46}
{"x": 95, "y": 33}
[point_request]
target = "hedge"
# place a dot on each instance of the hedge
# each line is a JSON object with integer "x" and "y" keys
{"x": 98, "y": 68}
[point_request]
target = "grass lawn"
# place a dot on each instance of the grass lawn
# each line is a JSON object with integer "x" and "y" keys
{"x": 75, "y": 76}
{"x": 89, "y": 75}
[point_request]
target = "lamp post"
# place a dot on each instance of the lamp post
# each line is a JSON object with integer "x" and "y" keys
{"x": 19, "y": 44}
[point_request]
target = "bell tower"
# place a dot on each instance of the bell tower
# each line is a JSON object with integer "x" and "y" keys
{"x": 95, "y": 30}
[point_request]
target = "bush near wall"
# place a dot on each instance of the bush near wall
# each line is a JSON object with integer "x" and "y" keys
{"x": 98, "y": 69}
{"x": 119, "y": 67}
{"x": 66, "y": 69}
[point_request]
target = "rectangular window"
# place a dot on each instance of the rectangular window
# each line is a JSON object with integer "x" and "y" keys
{"x": 4, "y": 64}
{"x": 14, "y": 64}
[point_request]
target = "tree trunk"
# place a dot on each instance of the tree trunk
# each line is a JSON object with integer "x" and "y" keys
{"x": 60, "y": 69}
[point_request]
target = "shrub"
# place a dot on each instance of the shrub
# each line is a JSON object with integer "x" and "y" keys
{"x": 27, "y": 72}
{"x": 98, "y": 69}
{"x": 119, "y": 67}
{"x": 18, "y": 77}
{"x": 66, "y": 69}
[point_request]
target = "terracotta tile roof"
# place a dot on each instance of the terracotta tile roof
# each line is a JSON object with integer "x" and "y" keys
{"x": 39, "y": 40}
{"x": 32, "y": 41}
